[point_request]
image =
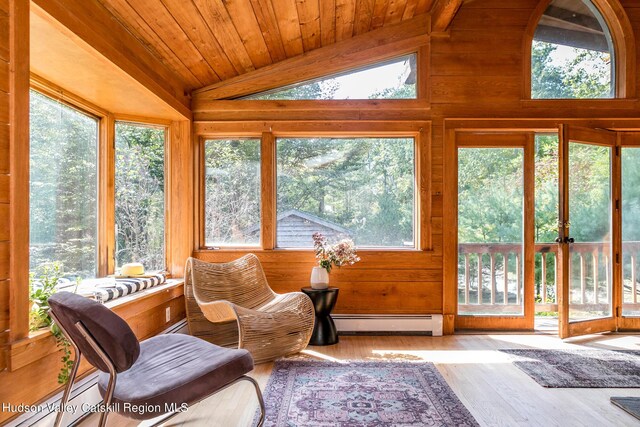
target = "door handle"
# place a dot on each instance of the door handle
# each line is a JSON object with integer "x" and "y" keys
{"x": 565, "y": 240}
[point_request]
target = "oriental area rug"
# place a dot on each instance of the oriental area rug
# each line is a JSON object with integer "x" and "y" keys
{"x": 590, "y": 368}
{"x": 348, "y": 394}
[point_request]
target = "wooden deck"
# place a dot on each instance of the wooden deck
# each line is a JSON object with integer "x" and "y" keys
{"x": 496, "y": 392}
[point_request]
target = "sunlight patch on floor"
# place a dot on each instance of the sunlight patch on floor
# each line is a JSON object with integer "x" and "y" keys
{"x": 322, "y": 356}
{"x": 446, "y": 356}
{"x": 525, "y": 341}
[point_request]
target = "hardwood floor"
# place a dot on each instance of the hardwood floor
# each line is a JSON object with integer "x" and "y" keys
{"x": 496, "y": 392}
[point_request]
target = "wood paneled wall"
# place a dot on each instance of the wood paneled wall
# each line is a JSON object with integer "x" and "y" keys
{"x": 29, "y": 362}
{"x": 14, "y": 164}
{"x": 5, "y": 177}
{"x": 475, "y": 70}
{"x": 478, "y": 71}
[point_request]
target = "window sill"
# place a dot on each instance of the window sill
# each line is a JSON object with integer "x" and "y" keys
{"x": 41, "y": 343}
{"x": 588, "y": 104}
{"x": 239, "y": 249}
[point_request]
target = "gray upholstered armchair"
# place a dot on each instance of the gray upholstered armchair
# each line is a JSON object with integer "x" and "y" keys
{"x": 166, "y": 370}
{"x": 232, "y": 304}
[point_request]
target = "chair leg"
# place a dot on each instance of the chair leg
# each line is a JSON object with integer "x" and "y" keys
{"x": 259, "y": 396}
{"x": 67, "y": 390}
{"x": 112, "y": 372}
{"x": 72, "y": 377}
{"x": 107, "y": 400}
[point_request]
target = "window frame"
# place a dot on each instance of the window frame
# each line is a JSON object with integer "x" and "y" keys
{"x": 414, "y": 237}
{"x": 623, "y": 40}
{"x": 105, "y": 260}
{"x": 202, "y": 142}
{"x": 346, "y": 72}
{"x": 419, "y": 131}
{"x": 133, "y": 121}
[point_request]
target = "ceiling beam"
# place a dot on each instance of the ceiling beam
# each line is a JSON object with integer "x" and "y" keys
{"x": 374, "y": 46}
{"x": 97, "y": 27}
{"x": 581, "y": 21}
{"x": 443, "y": 13}
{"x": 579, "y": 39}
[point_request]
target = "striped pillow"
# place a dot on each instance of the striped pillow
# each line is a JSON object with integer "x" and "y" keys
{"x": 128, "y": 286}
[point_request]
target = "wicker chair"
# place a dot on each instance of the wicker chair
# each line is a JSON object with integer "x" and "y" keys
{"x": 231, "y": 304}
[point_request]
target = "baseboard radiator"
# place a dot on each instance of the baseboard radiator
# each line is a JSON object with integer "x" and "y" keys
{"x": 389, "y": 324}
{"x": 85, "y": 394}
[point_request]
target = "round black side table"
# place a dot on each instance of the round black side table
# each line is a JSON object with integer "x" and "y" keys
{"x": 324, "y": 330}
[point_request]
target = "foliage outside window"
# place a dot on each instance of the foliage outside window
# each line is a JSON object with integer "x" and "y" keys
{"x": 63, "y": 185}
{"x": 546, "y": 215}
{"x": 395, "y": 79}
{"x": 232, "y": 192}
{"x": 491, "y": 209}
{"x": 140, "y": 200}
{"x": 572, "y": 54}
{"x": 490, "y": 212}
{"x": 361, "y": 188}
{"x": 630, "y": 159}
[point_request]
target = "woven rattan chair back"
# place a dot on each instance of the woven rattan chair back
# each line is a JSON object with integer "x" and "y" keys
{"x": 231, "y": 304}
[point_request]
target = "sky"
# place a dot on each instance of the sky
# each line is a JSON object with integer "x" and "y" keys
{"x": 363, "y": 84}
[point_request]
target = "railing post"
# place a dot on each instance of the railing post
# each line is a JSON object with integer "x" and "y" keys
{"x": 608, "y": 275}
{"x": 480, "y": 278}
{"x": 543, "y": 278}
{"x": 634, "y": 286}
{"x": 505, "y": 269}
{"x": 556, "y": 277}
{"x": 594, "y": 260}
{"x": 493, "y": 278}
{"x": 466, "y": 278}
{"x": 518, "y": 277}
{"x": 583, "y": 279}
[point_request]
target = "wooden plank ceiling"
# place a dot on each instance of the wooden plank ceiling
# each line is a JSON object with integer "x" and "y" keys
{"x": 208, "y": 41}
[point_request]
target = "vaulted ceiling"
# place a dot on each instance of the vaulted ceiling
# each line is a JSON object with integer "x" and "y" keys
{"x": 207, "y": 41}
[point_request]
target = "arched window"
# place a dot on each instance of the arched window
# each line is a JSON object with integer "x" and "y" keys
{"x": 572, "y": 53}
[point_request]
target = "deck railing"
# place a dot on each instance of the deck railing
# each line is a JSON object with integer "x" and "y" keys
{"x": 499, "y": 287}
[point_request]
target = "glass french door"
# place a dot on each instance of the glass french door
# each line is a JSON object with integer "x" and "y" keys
{"x": 495, "y": 231}
{"x": 587, "y": 231}
{"x": 507, "y": 263}
{"x": 629, "y": 315}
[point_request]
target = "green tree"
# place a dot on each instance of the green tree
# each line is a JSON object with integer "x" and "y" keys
{"x": 584, "y": 74}
{"x": 63, "y": 184}
{"x": 140, "y": 202}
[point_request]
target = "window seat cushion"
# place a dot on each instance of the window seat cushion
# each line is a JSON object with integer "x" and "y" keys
{"x": 128, "y": 286}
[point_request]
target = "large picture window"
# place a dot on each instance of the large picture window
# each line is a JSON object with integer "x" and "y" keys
{"x": 140, "y": 197}
{"x": 394, "y": 79}
{"x": 232, "y": 192}
{"x": 64, "y": 187}
{"x": 362, "y": 188}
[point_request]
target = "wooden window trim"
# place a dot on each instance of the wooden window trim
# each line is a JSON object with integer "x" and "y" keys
{"x": 200, "y": 229}
{"x": 149, "y": 123}
{"x": 420, "y": 54}
{"x": 106, "y": 180}
{"x": 268, "y": 132}
{"x": 623, "y": 43}
{"x": 104, "y": 160}
{"x": 213, "y": 103}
